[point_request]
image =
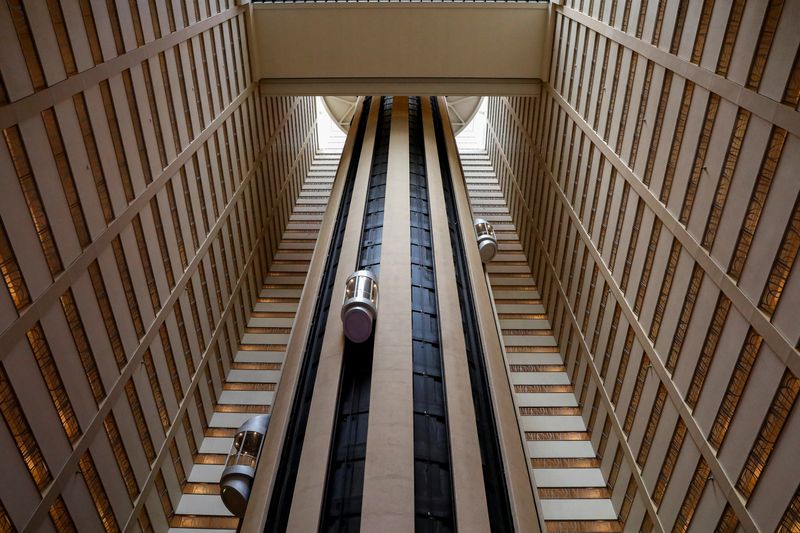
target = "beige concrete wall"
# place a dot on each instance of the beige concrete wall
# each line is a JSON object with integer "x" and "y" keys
{"x": 145, "y": 186}
{"x": 392, "y": 44}
{"x": 655, "y": 191}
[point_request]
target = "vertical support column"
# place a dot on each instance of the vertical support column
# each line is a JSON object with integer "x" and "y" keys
{"x": 264, "y": 489}
{"x": 468, "y": 485}
{"x": 515, "y": 461}
{"x": 388, "y": 503}
{"x": 310, "y": 484}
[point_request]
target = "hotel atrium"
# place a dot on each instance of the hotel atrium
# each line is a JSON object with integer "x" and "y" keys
{"x": 393, "y": 266}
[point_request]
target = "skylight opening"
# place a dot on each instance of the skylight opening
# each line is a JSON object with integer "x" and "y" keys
{"x": 469, "y": 123}
{"x": 472, "y": 138}
{"x": 330, "y": 137}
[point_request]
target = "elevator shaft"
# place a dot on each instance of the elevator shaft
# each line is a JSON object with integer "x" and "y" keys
{"x": 414, "y": 428}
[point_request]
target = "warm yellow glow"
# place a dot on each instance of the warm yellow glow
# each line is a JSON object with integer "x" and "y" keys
{"x": 757, "y": 201}
{"x": 61, "y": 518}
{"x": 49, "y": 371}
{"x": 790, "y": 523}
{"x": 98, "y": 493}
{"x": 33, "y": 199}
{"x": 692, "y": 498}
{"x": 768, "y": 436}
{"x": 121, "y": 456}
{"x": 11, "y": 273}
{"x": 18, "y": 426}
{"x": 733, "y": 394}
{"x": 787, "y": 254}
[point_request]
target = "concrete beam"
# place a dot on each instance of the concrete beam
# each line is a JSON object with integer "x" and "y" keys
{"x": 407, "y": 86}
{"x": 399, "y": 48}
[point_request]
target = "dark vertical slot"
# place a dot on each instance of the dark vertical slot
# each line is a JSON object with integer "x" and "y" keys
{"x": 493, "y": 472}
{"x": 344, "y": 484}
{"x": 369, "y": 255}
{"x": 281, "y": 503}
{"x": 433, "y": 487}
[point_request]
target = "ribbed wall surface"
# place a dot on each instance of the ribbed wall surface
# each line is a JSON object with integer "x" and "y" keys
{"x": 654, "y": 188}
{"x": 566, "y": 468}
{"x": 145, "y": 189}
{"x": 147, "y": 192}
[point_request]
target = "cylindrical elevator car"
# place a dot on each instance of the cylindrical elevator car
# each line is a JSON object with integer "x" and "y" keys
{"x": 240, "y": 467}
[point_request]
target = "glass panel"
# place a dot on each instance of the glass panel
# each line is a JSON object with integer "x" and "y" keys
{"x": 677, "y": 140}
{"x": 94, "y": 157}
{"x": 116, "y": 135}
{"x": 757, "y": 201}
{"x": 155, "y": 387}
{"x": 91, "y": 31}
{"x": 6, "y": 525}
{"x": 637, "y": 225}
{"x": 633, "y": 405}
{"x": 702, "y": 31}
{"x": 726, "y": 175}
{"x": 623, "y": 366}
{"x": 784, "y": 261}
{"x": 245, "y": 449}
{"x": 121, "y": 456}
{"x": 127, "y": 285}
{"x": 686, "y": 315}
{"x": 12, "y": 275}
{"x": 790, "y": 523}
{"x": 52, "y": 378}
{"x": 765, "y": 39}
{"x": 728, "y": 521}
{"x": 791, "y": 94}
{"x": 108, "y": 316}
{"x": 82, "y": 346}
{"x": 647, "y": 269}
{"x": 57, "y": 18}
{"x": 768, "y": 436}
{"x": 33, "y": 199}
{"x": 666, "y": 87}
{"x": 659, "y": 22}
{"x": 731, "y": 32}
{"x": 645, "y": 96}
{"x": 652, "y": 426}
{"x": 163, "y": 495}
{"x": 65, "y": 173}
{"x": 700, "y": 158}
{"x": 692, "y": 497}
{"x": 627, "y": 502}
{"x": 21, "y": 431}
{"x": 666, "y": 286}
{"x": 20, "y": 20}
{"x": 680, "y": 21}
{"x": 133, "y": 109}
{"x": 736, "y": 385}
{"x": 709, "y": 350}
{"x": 61, "y": 518}
{"x": 98, "y": 493}
{"x": 668, "y": 466}
{"x": 141, "y": 423}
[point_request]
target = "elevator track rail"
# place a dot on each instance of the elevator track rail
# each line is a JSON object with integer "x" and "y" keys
{"x": 494, "y": 476}
{"x": 344, "y": 484}
{"x": 280, "y": 505}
